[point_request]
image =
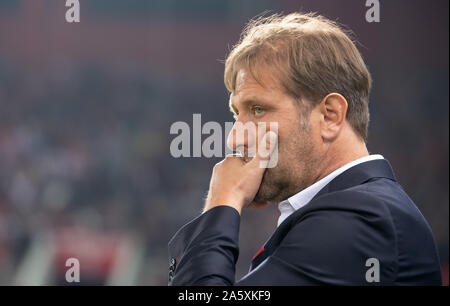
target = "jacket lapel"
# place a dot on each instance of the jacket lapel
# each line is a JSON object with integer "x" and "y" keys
{"x": 356, "y": 175}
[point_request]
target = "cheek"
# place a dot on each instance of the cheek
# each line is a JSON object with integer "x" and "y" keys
{"x": 315, "y": 138}
{"x": 288, "y": 137}
{"x": 315, "y": 125}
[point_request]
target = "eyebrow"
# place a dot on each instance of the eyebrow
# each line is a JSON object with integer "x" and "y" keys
{"x": 250, "y": 100}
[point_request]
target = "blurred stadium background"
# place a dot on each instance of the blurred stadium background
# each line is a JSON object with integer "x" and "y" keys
{"x": 85, "y": 111}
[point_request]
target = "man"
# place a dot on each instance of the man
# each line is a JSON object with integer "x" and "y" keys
{"x": 344, "y": 218}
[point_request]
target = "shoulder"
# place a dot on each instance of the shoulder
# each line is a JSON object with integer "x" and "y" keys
{"x": 353, "y": 214}
{"x": 336, "y": 237}
{"x": 357, "y": 218}
{"x": 340, "y": 231}
{"x": 371, "y": 199}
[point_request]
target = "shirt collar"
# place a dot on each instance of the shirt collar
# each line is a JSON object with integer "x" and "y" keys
{"x": 302, "y": 198}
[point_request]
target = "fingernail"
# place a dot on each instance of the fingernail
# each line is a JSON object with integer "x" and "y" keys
{"x": 272, "y": 137}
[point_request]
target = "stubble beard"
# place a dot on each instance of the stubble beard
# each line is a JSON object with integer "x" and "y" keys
{"x": 293, "y": 173}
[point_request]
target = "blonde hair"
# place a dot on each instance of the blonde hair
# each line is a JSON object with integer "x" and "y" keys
{"x": 313, "y": 56}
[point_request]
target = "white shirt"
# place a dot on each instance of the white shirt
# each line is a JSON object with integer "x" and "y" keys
{"x": 297, "y": 201}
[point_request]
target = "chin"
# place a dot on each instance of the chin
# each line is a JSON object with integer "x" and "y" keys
{"x": 268, "y": 191}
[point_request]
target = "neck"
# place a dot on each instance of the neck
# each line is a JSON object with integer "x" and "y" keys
{"x": 340, "y": 154}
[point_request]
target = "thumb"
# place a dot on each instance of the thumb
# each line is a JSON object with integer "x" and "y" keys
{"x": 267, "y": 150}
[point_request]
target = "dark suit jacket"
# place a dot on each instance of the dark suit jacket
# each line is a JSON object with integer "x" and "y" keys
{"x": 363, "y": 213}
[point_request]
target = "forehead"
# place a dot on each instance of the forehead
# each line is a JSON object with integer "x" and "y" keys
{"x": 247, "y": 86}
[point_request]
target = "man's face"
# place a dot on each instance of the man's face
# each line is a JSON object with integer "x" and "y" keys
{"x": 297, "y": 154}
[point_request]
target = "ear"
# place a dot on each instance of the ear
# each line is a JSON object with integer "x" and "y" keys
{"x": 333, "y": 110}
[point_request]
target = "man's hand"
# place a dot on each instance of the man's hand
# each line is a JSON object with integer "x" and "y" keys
{"x": 234, "y": 182}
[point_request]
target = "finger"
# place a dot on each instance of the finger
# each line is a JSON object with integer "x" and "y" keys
{"x": 235, "y": 157}
{"x": 266, "y": 147}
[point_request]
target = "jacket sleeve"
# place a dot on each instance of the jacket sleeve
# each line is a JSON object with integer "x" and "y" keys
{"x": 324, "y": 247}
{"x": 205, "y": 251}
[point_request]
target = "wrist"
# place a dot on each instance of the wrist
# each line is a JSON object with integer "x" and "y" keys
{"x": 231, "y": 202}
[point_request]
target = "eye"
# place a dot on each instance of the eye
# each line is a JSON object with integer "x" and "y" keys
{"x": 258, "y": 110}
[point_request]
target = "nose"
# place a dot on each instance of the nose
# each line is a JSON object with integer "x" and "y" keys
{"x": 242, "y": 137}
